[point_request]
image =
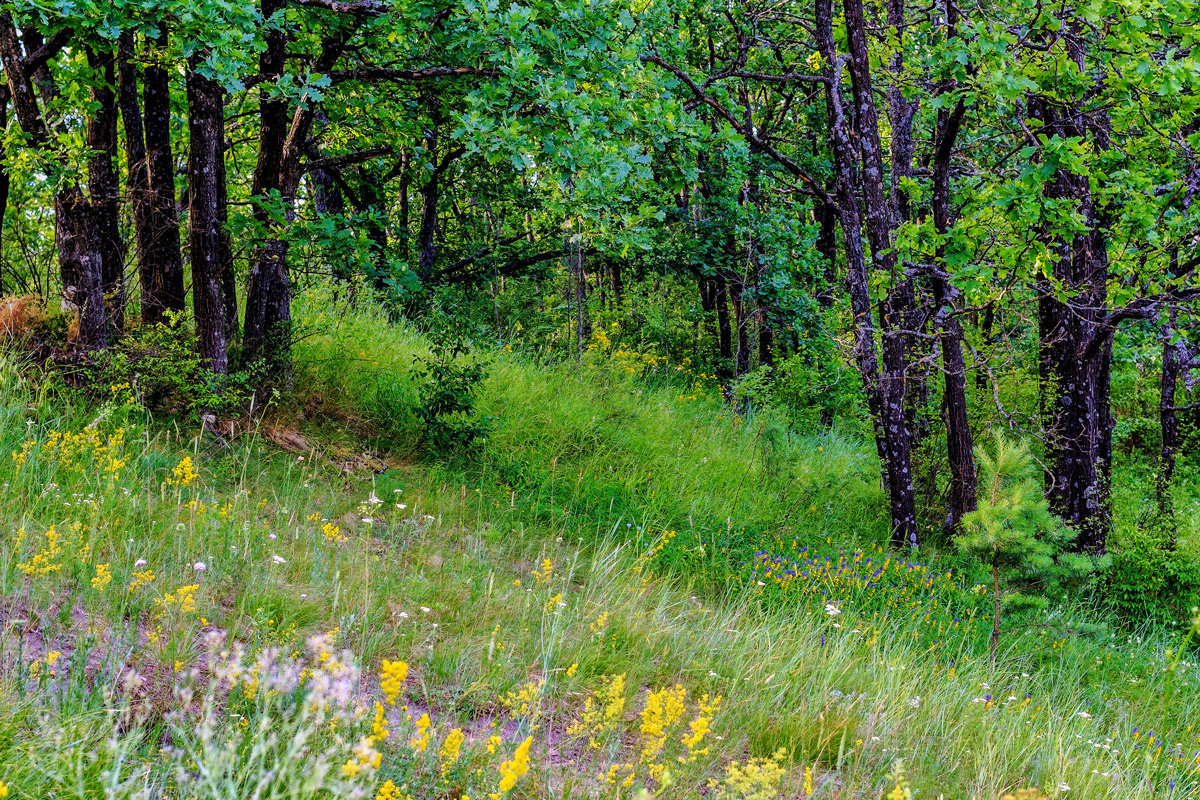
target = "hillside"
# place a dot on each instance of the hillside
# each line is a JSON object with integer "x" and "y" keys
{"x": 626, "y": 592}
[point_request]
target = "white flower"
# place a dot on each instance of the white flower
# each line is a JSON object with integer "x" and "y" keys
{"x": 199, "y": 566}
{"x": 141, "y": 562}
{"x": 832, "y": 610}
{"x": 373, "y": 500}
{"x": 1063, "y": 787}
{"x": 401, "y": 506}
{"x": 277, "y": 559}
{"x": 1085, "y": 715}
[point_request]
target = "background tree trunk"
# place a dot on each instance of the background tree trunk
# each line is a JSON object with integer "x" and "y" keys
{"x": 104, "y": 188}
{"x": 205, "y": 131}
{"x": 163, "y": 257}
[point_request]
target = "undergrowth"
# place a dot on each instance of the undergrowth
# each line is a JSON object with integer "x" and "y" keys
{"x": 619, "y": 592}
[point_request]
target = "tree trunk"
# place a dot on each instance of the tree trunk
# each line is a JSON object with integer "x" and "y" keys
{"x": 1168, "y": 421}
{"x": 1075, "y": 338}
{"x": 959, "y": 441}
{"x": 726, "y": 334}
{"x": 267, "y": 323}
{"x": 137, "y": 178}
{"x": 826, "y": 245}
{"x": 162, "y": 280}
{"x": 104, "y": 188}
{"x": 4, "y": 179}
{"x": 205, "y": 130}
{"x": 884, "y": 388}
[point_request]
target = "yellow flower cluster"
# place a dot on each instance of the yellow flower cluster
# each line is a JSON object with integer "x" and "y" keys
{"x": 392, "y": 676}
{"x": 141, "y": 579}
{"x": 103, "y": 577}
{"x": 183, "y": 599}
{"x": 184, "y": 473}
{"x": 543, "y": 573}
{"x": 450, "y": 748}
{"x": 421, "y": 741}
{"x": 364, "y": 759}
{"x": 515, "y": 769}
{"x": 389, "y": 791}
{"x": 757, "y": 779}
{"x": 379, "y": 728}
{"x": 663, "y": 709}
{"x": 524, "y": 701}
{"x": 333, "y": 534}
{"x": 85, "y": 451}
{"x": 601, "y": 712}
{"x": 45, "y": 561}
{"x": 699, "y": 727}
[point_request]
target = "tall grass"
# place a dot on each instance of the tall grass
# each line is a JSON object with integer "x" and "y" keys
{"x": 516, "y": 586}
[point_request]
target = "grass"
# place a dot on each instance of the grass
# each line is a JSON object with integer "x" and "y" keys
{"x": 600, "y": 532}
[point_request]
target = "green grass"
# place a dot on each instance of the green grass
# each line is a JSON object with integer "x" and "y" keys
{"x": 824, "y": 671}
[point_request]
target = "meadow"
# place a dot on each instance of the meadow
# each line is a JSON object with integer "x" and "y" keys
{"x": 629, "y": 590}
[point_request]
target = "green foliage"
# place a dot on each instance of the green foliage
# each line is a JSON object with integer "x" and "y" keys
{"x": 158, "y": 365}
{"x": 1151, "y": 577}
{"x": 448, "y": 387}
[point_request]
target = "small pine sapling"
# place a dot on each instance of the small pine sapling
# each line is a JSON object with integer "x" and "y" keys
{"x": 1015, "y": 536}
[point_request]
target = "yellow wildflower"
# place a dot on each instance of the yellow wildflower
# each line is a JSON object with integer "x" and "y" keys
{"x": 512, "y": 771}
{"x": 103, "y": 577}
{"x": 392, "y": 675}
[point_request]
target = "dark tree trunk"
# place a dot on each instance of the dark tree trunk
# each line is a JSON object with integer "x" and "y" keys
{"x": 827, "y": 246}
{"x": 206, "y": 133}
{"x": 104, "y": 188}
{"x": 162, "y": 278}
{"x": 4, "y": 179}
{"x": 725, "y": 332}
{"x": 959, "y": 441}
{"x": 1168, "y": 420}
{"x": 741, "y": 361}
{"x": 225, "y": 246}
{"x": 1076, "y": 342}
{"x": 885, "y": 389}
{"x": 137, "y": 178}
{"x": 988, "y": 338}
{"x": 427, "y": 232}
{"x": 267, "y": 321}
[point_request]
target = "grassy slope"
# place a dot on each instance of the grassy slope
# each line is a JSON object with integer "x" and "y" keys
{"x": 587, "y": 474}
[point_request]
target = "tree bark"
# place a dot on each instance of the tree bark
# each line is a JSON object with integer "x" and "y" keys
{"x": 137, "y": 176}
{"x": 206, "y": 134}
{"x": 162, "y": 279}
{"x": 959, "y": 440}
{"x": 884, "y": 387}
{"x": 4, "y": 179}
{"x": 103, "y": 186}
{"x": 1075, "y": 336}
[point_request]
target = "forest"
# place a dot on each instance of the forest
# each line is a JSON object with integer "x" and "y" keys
{"x": 502, "y": 400}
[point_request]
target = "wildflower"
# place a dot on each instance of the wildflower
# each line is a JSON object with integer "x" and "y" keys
{"x": 333, "y": 534}
{"x": 183, "y": 474}
{"x": 199, "y": 566}
{"x": 388, "y": 791}
{"x": 512, "y": 771}
{"x": 392, "y": 674}
{"x": 379, "y": 729}
{"x": 3, "y": 790}
{"x": 103, "y": 577}
{"x": 277, "y": 559}
{"x": 44, "y": 561}
{"x": 571, "y": 670}
{"x": 832, "y": 610}
{"x": 450, "y": 747}
{"x": 421, "y": 740}
{"x": 141, "y": 578}
{"x": 492, "y": 743}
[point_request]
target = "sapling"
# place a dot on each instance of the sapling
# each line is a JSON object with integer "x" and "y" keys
{"x": 1014, "y": 534}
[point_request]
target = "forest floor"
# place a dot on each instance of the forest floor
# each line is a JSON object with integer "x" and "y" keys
{"x": 624, "y": 592}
